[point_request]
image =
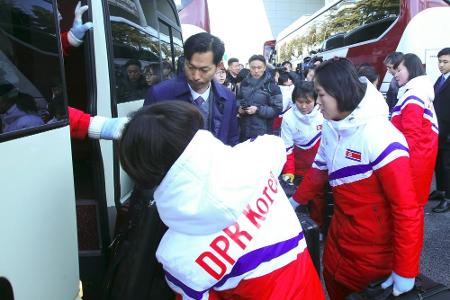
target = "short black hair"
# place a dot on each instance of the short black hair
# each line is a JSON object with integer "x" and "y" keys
{"x": 283, "y": 78}
{"x": 445, "y": 51}
{"x": 257, "y": 57}
{"x": 338, "y": 77}
{"x": 286, "y": 62}
{"x": 368, "y": 71}
{"x": 393, "y": 58}
{"x": 232, "y": 60}
{"x": 133, "y": 62}
{"x": 304, "y": 89}
{"x": 155, "y": 137}
{"x": 203, "y": 42}
{"x": 413, "y": 64}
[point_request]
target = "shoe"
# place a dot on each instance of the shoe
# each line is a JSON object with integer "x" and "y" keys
{"x": 443, "y": 206}
{"x": 436, "y": 195}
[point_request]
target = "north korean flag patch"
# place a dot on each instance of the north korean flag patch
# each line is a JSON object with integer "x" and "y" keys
{"x": 353, "y": 155}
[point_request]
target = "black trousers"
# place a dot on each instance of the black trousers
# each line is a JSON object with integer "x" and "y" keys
{"x": 442, "y": 171}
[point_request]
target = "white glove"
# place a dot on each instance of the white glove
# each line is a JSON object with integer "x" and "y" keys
{"x": 401, "y": 284}
{"x": 79, "y": 29}
{"x": 294, "y": 203}
{"x": 107, "y": 128}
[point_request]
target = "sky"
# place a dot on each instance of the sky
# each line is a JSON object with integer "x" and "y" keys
{"x": 242, "y": 25}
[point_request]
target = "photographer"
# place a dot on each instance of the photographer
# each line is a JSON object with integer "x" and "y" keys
{"x": 259, "y": 99}
{"x": 287, "y": 67}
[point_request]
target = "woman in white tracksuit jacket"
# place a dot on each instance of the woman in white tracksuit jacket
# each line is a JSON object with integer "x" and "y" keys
{"x": 232, "y": 232}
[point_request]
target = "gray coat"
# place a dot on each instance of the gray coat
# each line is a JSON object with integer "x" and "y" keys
{"x": 266, "y": 96}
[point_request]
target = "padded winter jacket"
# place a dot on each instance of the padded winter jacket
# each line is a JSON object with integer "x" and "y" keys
{"x": 301, "y": 135}
{"x": 266, "y": 96}
{"x": 414, "y": 116}
{"x": 232, "y": 232}
{"x": 377, "y": 224}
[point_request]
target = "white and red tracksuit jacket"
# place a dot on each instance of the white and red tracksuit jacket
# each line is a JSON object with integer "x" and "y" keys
{"x": 232, "y": 232}
{"x": 301, "y": 135}
{"x": 415, "y": 117}
{"x": 376, "y": 226}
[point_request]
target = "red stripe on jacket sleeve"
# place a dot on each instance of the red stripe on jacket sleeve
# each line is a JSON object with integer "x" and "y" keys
{"x": 79, "y": 123}
{"x": 289, "y": 166}
{"x": 312, "y": 186}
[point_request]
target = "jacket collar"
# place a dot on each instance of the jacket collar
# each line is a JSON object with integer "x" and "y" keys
{"x": 182, "y": 88}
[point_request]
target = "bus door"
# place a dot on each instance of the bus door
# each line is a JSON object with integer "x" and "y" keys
{"x": 143, "y": 46}
{"x": 38, "y": 233}
{"x": 125, "y": 53}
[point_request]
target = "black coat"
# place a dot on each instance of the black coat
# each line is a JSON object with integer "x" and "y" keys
{"x": 442, "y": 108}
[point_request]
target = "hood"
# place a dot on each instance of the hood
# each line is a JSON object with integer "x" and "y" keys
{"x": 422, "y": 86}
{"x": 286, "y": 92}
{"x": 306, "y": 119}
{"x": 372, "y": 106}
{"x": 210, "y": 184}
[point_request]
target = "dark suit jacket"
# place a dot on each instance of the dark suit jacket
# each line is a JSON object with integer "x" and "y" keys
{"x": 442, "y": 107}
{"x": 178, "y": 89}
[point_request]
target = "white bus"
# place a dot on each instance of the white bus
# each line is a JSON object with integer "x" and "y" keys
{"x": 58, "y": 197}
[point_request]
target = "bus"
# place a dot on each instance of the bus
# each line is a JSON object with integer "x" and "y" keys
{"x": 365, "y": 31}
{"x": 59, "y": 197}
{"x": 269, "y": 51}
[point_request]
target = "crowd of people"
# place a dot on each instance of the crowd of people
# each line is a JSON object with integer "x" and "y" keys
{"x": 337, "y": 129}
{"x": 213, "y": 142}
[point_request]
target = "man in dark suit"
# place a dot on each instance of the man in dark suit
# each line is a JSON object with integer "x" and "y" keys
{"x": 203, "y": 53}
{"x": 442, "y": 107}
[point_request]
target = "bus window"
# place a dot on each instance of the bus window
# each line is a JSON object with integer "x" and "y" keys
{"x": 166, "y": 51}
{"x": 135, "y": 53}
{"x": 31, "y": 82}
{"x": 345, "y": 23}
{"x": 177, "y": 47}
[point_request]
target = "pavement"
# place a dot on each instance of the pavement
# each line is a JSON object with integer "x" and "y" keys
{"x": 435, "y": 259}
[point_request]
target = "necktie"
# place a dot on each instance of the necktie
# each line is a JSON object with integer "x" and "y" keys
{"x": 199, "y": 101}
{"x": 440, "y": 83}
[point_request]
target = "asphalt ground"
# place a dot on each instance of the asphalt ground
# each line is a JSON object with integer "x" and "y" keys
{"x": 435, "y": 259}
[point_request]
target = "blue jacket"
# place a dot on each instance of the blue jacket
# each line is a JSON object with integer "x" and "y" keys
{"x": 16, "y": 119}
{"x": 224, "y": 113}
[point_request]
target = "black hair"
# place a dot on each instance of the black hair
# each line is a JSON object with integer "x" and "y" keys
{"x": 393, "y": 58}
{"x": 283, "y": 78}
{"x": 10, "y": 96}
{"x": 203, "y": 42}
{"x": 26, "y": 103}
{"x": 155, "y": 137}
{"x": 257, "y": 57}
{"x": 304, "y": 89}
{"x": 286, "y": 62}
{"x": 307, "y": 69}
{"x": 242, "y": 74}
{"x": 133, "y": 62}
{"x": 413, "y": 64}
{"x": 338, "y": 77}
{"x": 445, "y": 51}
{"x": 368, "y": 71}
{"x": 232, "y": 60}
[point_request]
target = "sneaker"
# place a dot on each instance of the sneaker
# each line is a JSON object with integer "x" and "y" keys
{"x": 436, "y": 195}
{"x": 443, "y": 206}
